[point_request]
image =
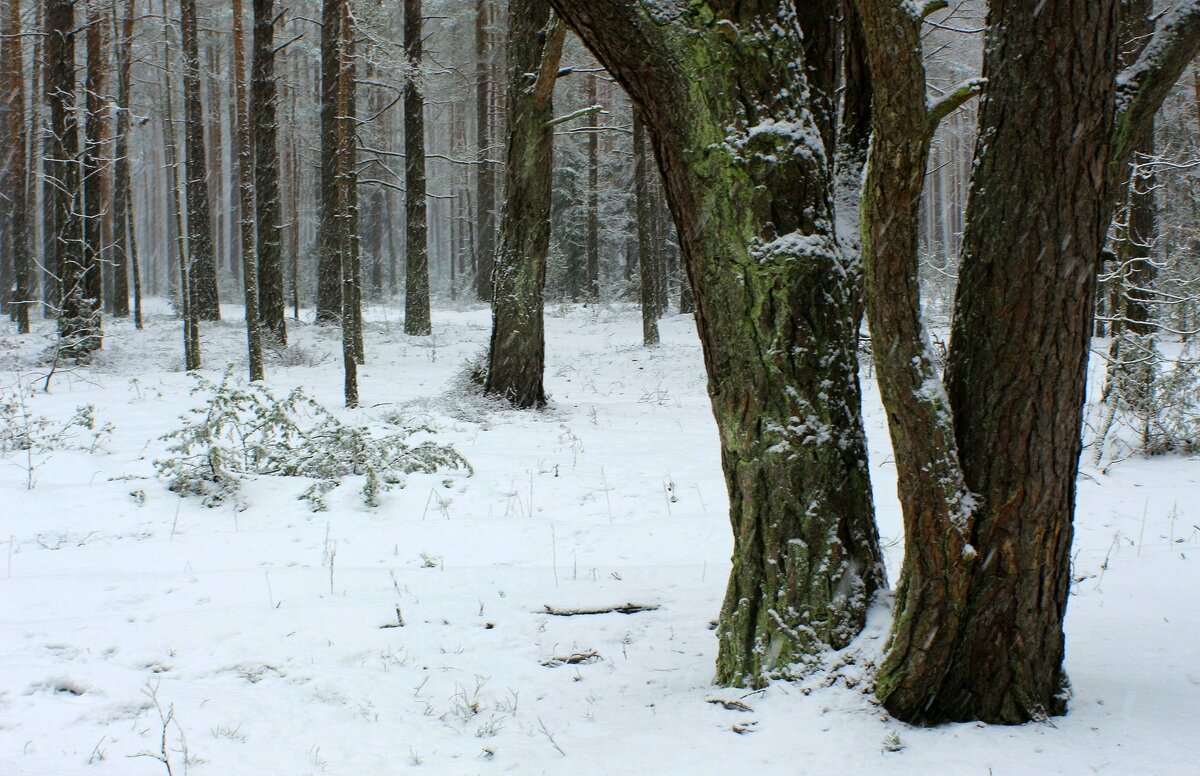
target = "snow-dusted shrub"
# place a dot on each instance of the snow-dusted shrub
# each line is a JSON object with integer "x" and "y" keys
{"x": 243, "y": 430}
{"x": 1156, "y": 398}
{"x": 33, "y": 437}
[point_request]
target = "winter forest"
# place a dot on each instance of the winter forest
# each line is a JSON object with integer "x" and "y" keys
{"x": 599, "y": 386}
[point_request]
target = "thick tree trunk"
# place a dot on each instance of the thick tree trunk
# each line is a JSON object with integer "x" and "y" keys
{"x": 750, "y": 191}
{"x": 517, "y": 355}
{"x": 485, "y": 180}
{"x": 1036, "y": 219}
{"x": 12, "y": 67}
{"x": 416, "y": 295}
{"x": 244, "y": 143}
{"x": 263, "y": 97}
{"x": 647, "y": 256}
{"x": 203, "y": 265}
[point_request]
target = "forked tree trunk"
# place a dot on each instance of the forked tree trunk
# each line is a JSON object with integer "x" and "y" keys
{"x": 263, "y": 97}
{"x": 517, "y": 354}
{"x": 750, "y": 192}
{"x": 416, "y": 292}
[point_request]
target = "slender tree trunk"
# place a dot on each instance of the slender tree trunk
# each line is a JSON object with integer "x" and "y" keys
{"x": 593, "y": 197}
{"x": 125, "y": 238}
{"x": 645, "y": 236}
{"x": 416, "y": 298}
{"x": 244, "y": 143}
{"x": 77, "y": 326}
{"x": 191, "y": 324}
{"x": 485, "y": 180}
{"x": 774, "y": 309}
{"x": 263, "y": 98}
{"x": 329, "y": 270}
{"x": 937, "y": 508}
{"x": 517, "y": 352}
{"x": 346, "y": 204}
{"x": 202, "y": 267}
{"x": 12, "y": 66}
{"x": 95, "y": 167}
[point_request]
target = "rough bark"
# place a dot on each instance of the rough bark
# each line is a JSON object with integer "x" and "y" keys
{"x": 244, "y": 143}
{"x": 517, "y": 352}
{"x": 203, "y": 265}
{"x": 1036, "y": 220}
{"x": 749, "y": 187}
{"x": 416, "y": 291}
{"x": 263, "y": 98}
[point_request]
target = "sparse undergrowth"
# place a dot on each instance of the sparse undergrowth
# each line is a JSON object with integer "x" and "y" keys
{"x": 244, "y": 430}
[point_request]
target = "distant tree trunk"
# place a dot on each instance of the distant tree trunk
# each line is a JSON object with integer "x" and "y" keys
{"x": 416, "y": 298}
{"x": 12, "y": 67}
{"x": 263, "y": 97}
{"x": 51, "y": 170}
{"x": 203, "y": 266}
{"x": 752, "y": 207}
{"x": 191, "y": 325}
{"x": 485, "y": 181}
{"x": 517, "y": 352}
{"x": 244, "y": 143}
{"x": 125, "y": 257}
{"x": 593, "y": 197}
{"x": 647, "y": 259}
{"x": 78, "y": 327}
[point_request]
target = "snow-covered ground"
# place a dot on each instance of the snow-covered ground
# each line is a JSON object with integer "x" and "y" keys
{"x": 264, "y": 636}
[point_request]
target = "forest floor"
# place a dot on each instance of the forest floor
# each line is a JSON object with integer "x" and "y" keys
{"x": 134, "y": 622}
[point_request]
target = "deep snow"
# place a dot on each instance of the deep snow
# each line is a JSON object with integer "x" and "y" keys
{"x": 265, "y": 630}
